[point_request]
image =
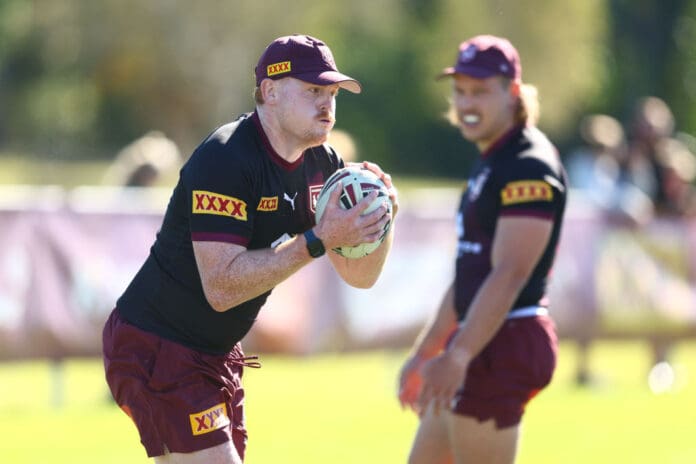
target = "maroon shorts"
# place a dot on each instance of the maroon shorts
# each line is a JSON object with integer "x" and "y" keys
{"x": 515, "y": 365}
{"x": 179, "y": 398}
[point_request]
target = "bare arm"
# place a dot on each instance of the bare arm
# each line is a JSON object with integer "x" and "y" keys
{"x": 231, "y": 274}
{"x": 429, "y": 343}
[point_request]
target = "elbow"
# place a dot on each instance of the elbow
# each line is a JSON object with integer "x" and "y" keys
{"x": 218, "y": 305}
{"x": 217, "y": 301}
{"x": 222, "y": 301}
{"x": 221, "y": 295}
{"x": 363, "y": 283}
{"x": 218, "y": 308}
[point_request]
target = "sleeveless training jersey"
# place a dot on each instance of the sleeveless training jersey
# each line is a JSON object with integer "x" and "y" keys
{"x": 520, "y": 175}
{"x": 235, "y": 188}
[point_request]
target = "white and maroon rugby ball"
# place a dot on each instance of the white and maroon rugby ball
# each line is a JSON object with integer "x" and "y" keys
{"x": 357, "y": 182}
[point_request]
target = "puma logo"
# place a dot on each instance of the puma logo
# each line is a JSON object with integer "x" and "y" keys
{"x": 290, "y": 200}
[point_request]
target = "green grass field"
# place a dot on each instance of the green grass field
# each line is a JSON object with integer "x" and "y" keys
{"x": 342, "y": 409}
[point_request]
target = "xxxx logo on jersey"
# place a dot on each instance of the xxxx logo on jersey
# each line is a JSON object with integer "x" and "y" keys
{"x": 211, "y": 419}
{"x": 268, "y": 204}
{"x": 214, "y": 203}
{"x": 525, "y": 191}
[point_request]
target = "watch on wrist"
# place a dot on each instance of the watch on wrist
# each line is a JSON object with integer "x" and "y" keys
{"x": 314, "y": 244}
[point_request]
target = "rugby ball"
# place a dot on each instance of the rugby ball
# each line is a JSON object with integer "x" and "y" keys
{"x": 357, "y": 183}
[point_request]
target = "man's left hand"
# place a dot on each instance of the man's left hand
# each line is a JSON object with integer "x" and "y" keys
{"x": 442, "y": 375}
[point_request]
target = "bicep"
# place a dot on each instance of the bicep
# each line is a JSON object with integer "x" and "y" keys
{"x": 213, "y": 260}
{"x": 520, "y": 242}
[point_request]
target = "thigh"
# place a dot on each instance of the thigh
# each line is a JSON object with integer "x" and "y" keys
{"x": 481, "y": 442}
{"x": 431, "y": 444}
{"x": 221, "y": 454}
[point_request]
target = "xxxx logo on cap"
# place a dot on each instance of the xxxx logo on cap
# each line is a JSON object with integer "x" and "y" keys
{"x": 278, "y": 68}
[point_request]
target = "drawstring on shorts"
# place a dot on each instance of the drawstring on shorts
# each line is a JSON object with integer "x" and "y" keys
{"x": 246, "y": 361}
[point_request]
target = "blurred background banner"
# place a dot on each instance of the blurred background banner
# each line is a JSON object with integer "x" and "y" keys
{"x": 63, "y": 265}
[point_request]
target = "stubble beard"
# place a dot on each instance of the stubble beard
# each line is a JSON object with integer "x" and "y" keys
{"x": 317, "y": 136}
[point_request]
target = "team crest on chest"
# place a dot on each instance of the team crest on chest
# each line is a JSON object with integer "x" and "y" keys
{"x": 313, "y": 195}
{"x": 476, "y": 184}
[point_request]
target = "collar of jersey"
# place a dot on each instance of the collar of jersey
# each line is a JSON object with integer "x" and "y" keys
{"x": 502, "y": 140}
{"x": 275, "y": 157}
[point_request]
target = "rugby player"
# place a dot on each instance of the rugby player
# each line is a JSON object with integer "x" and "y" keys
{"x": 239, "y": 222}
{"x": 491, "y": 346}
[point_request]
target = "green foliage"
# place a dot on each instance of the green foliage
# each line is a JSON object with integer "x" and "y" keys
{"x": 82, "y": 79}
{"x": 342, "y": 409}
{"x": 680, "y": 73}
{"x": 645, "y": 51}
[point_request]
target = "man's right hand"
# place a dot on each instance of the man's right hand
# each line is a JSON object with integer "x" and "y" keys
{"x": 410, "y": 382}
{"x": 349, "y": 227}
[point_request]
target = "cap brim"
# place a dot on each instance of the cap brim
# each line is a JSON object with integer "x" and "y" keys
{"x": 473, "y": 71}
{"x": 331, "y": 77}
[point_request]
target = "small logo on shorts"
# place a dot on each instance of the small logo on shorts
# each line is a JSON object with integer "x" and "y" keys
{"x": 211, "y": 419}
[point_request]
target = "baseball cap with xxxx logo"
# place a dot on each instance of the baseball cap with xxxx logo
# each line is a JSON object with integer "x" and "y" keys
{"x": 305, "y": 58}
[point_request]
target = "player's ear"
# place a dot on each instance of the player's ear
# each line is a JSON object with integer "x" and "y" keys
{"x": 269, "y": 90}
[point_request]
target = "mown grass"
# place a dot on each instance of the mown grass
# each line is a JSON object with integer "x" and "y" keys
{"x": 341, "y": 408}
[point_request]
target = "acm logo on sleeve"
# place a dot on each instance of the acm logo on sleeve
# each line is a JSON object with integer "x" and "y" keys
{"x": 205, "y": 202}
{"x": 525, "y": 191}
{"x": 209, "y": 420}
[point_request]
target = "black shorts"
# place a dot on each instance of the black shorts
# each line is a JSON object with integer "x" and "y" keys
{"x": 179, "y": 398}
{"x": 515, "y": 365}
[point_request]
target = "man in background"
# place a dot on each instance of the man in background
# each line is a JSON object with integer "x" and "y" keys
{"x": 492, "y": 345}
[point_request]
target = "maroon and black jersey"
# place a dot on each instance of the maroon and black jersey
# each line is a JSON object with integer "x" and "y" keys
{"x": 520, "y": 175}
{"x": 235, "y": 188}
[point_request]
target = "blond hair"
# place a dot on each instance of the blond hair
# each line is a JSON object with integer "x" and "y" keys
{"x": 528, "y": 106}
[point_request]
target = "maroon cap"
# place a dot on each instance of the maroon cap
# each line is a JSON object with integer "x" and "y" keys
{"x": 485, "y": 56}
{"x": 305, "y": 58}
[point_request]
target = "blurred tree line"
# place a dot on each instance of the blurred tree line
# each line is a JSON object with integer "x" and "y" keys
{"x": 79, "y": 79}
